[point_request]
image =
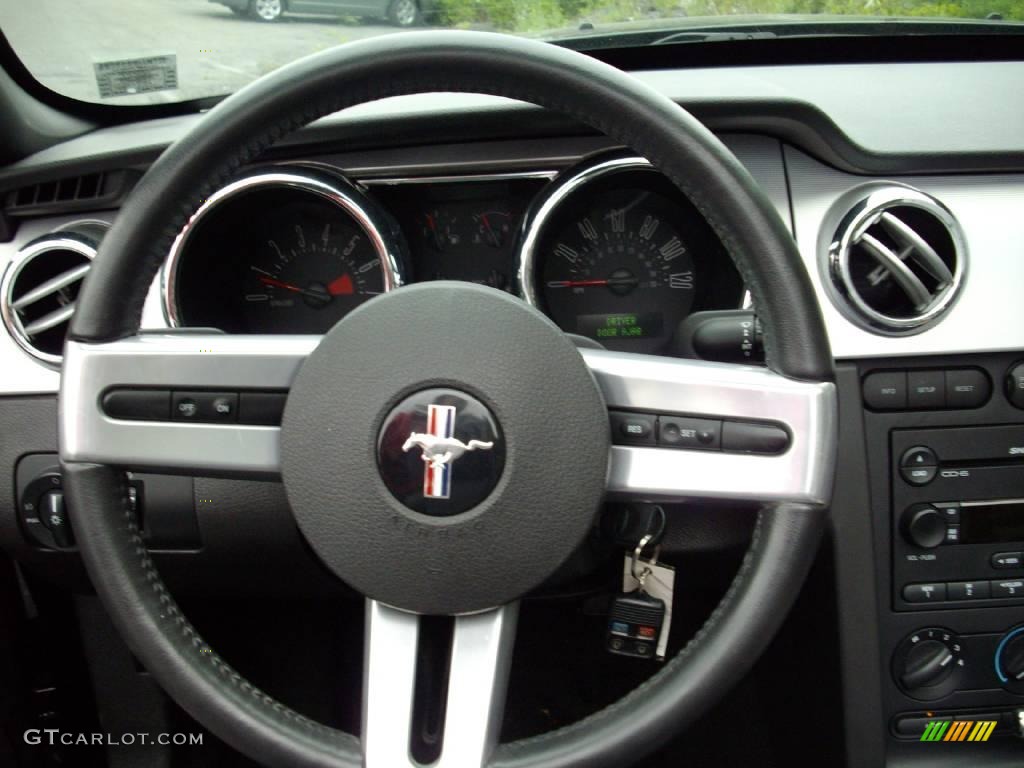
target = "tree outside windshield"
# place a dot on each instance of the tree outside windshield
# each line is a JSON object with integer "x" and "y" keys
{"x": 161, "y": 51}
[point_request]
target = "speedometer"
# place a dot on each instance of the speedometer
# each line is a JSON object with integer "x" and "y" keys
{"x": 613, "y": 252}
{"x": 286, "y": 250}
{"x": 620, "y": 271}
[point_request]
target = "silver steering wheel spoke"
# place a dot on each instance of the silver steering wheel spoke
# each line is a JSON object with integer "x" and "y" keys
{"x": 481, "y": 654}
{"x": 176, "y": 362}
{"x": 744, "y": 394}
{"x": 638, "y": 383}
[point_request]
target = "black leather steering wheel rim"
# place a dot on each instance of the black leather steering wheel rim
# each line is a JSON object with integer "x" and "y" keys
{"x": 238, "y": 130}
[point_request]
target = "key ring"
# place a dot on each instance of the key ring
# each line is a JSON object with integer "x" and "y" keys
{"x": 641, "y": 577}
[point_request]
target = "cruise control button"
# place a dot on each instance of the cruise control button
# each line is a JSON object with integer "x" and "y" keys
{"x": 184, "y": 407}
{"x": 223, "y": 407}
{"x": 886, "y": 391}
{"x": 683, "y": 432}
{"x": 1006, "y": 560}
{"x": 753, "y": 438}
{"x": 926, "y": 389}
{"x": 1010, "y": 588}
{"x": 967, "y": 388}
{"x": 207, "y": 407}
{"x": 968, "y": 590}
{"x": 261, "y": 407}
{"x": 924, "y": 593}
{"x": 136, "y": 404}
{"x": 633, "y": 428}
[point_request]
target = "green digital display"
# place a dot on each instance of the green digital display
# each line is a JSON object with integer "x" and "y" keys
{"x": 620, "y": 326}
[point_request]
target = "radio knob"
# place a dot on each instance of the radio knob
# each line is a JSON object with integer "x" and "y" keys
{"x": 924, "y": 526}
{"x": 927, "y": 665}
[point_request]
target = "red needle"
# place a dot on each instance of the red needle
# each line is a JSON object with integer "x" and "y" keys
{"x": 280, "y": 284}
{"x": 341, "y": 285}
{"x": 576, "y": 283}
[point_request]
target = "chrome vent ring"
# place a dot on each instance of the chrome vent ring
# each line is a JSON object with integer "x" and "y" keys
{"x": 40, "y": 288}
{"x": 896, "y": 262}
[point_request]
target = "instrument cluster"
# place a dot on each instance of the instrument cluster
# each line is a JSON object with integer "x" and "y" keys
{"x": 609, "y": 249}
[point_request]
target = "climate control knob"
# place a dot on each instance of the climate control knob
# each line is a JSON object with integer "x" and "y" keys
{"x": 924, "y": 526}
{"x": 928, "y": 664}
{"x": 1010, "y": 660}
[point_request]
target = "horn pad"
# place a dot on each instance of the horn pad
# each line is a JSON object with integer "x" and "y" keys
{"x": 385, "y": 454}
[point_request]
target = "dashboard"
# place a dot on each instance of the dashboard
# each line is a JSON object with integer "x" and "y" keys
{"x": 375, "y": 199}
{"x": 607, "y": 248}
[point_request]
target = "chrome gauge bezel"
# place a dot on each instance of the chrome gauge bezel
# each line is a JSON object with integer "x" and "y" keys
{"x": 378, "y": 225}
{"x": 546, "y": 206}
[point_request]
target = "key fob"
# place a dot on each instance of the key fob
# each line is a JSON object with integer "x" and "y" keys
{"x": 634, "y": 624}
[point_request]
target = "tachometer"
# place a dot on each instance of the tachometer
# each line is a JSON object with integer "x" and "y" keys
{"x": 282, "y": 251}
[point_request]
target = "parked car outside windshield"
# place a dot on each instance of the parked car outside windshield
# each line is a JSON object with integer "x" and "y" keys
{"x": 139, "y": 52}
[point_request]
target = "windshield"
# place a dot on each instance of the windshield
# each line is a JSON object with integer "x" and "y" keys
{"x": 160, "y": 51}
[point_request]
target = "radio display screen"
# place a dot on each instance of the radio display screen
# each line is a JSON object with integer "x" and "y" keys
{"x": 988, "y": 523}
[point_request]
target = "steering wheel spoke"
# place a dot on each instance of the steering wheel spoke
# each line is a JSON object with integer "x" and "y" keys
{"x": 481, "y": 652}
{"x": 176, "y": 362}
{"x": 634, "y": 383}
{"x": 738, "y": 394}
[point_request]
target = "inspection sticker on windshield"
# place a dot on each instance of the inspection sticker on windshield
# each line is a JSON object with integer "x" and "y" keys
{"x": 127, "y": 77}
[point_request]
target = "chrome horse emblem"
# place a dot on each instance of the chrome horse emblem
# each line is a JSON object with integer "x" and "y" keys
{"x": 439, "y": 449}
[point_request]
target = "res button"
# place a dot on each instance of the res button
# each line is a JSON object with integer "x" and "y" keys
{"x": 633, "y": 428}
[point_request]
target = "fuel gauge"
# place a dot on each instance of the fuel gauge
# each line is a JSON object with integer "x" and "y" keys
{"x": 492, "y": 227}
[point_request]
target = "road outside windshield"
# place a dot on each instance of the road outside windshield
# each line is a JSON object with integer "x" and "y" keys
{"x": 159, "y": 51}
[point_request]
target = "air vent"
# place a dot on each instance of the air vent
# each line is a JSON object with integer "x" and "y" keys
{"x": 89, "y": 190}
{"x": 40, "y": 287}
{"x": 896, "y": 262}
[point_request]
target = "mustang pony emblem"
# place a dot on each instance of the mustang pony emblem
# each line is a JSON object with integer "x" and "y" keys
{"x": 439, "y": 449}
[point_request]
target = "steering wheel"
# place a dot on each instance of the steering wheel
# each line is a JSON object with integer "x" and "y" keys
{"x": 489, "y": 357}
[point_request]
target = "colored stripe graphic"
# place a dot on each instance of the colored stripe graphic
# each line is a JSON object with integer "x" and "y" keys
{"x": 983, "y": 730}
{"x": 437, "y": 479}
{"x": 958, "y": 730}
{"x": 935, "y": 730}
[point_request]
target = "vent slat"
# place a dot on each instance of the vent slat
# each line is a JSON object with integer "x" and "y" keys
{"x": 50, "y": 320}
{"x": 929, "y": 260}
{"x": 900, "y": 272}
{"x": 52, "y": 285}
